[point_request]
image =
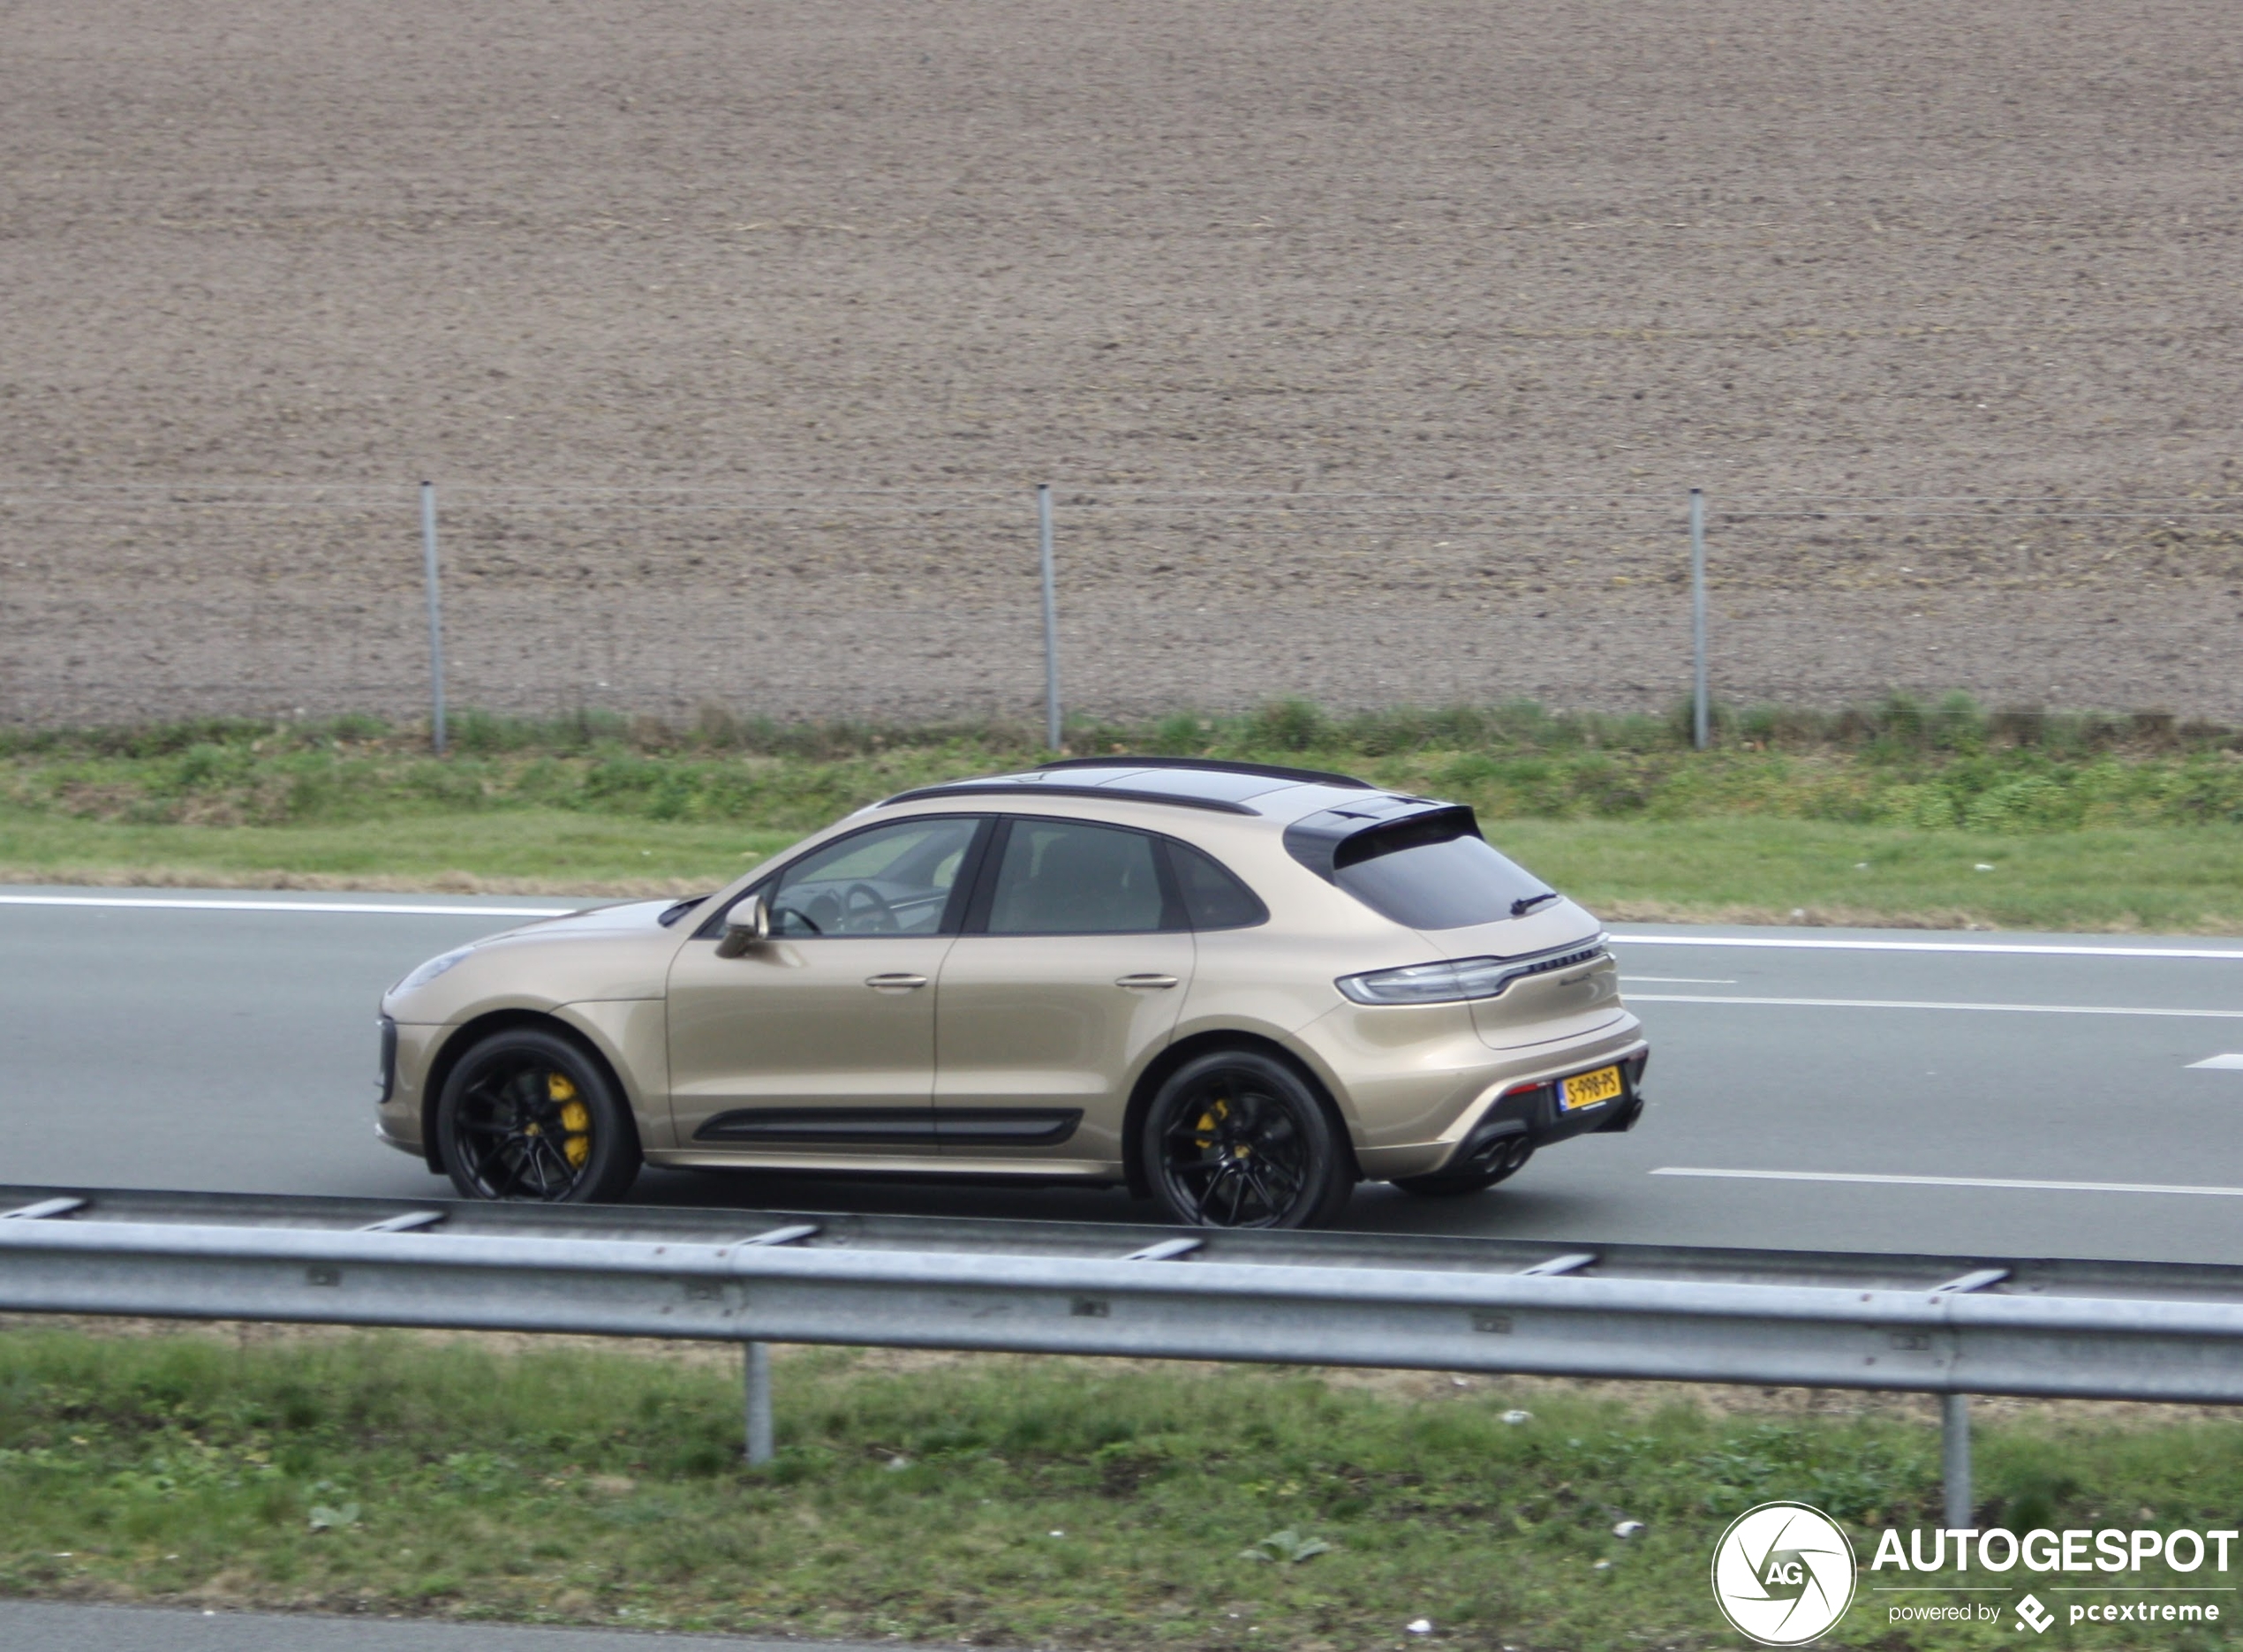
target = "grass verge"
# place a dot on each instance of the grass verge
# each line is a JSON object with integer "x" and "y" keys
{"x": 2160, "y": 880}
{"x": 991, "y": 1500}
{"x": 502, "y": 851}
{"x": 1899, "y": 814}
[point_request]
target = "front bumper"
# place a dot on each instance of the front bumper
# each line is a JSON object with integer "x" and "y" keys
{"x": 386, "y": 1111}
{"x": 405, "y": 1050}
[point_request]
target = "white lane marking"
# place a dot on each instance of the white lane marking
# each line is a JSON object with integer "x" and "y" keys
{"x": 1950, "y": 1181}
{"x": 2219, "y": 1063}
{"x": 2017, "y": 949}
{"x": 144, "y": 904}
{"x": 1679, "y": 980}
{"x": 1900, "y": 1003}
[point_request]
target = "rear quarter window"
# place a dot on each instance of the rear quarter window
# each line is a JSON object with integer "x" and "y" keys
{"x": 1213, "y": 897}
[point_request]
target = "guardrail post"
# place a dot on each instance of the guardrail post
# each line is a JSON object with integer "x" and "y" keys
{"x": 1954, "y": 1458}
{"x": 759, "y": 1399}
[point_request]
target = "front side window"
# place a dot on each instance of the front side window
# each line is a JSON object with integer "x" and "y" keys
{"x": 1067, "y": 877}
{"x": 891, "y": 880}
{"x": 1435, "y": 874}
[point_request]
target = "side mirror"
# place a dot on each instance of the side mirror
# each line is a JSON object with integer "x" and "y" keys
{"x": 747, "y": 924}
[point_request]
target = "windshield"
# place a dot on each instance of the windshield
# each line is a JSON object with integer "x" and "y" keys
{"x": 1436, "y": 873}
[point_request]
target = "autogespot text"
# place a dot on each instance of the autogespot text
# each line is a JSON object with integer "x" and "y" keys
{"x": 1950, "y": 1549}
{"x": 2110, "y": 1549}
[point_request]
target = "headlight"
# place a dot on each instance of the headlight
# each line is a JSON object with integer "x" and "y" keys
{"x": 430, "y": 970}
{"x": 1442, "y": 983}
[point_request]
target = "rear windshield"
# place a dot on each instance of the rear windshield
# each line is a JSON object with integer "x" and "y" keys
{"x": 1436, "y": 873}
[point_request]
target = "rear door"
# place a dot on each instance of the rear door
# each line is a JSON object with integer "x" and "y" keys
{"x": 1070, "y": 977}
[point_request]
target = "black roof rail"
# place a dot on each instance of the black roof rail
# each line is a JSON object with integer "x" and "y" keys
{"x": 1016, "y": 788}
{"x": 1221, "y": 765}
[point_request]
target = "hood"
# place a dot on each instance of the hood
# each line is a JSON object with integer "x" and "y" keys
{"x": 597, "y": 920}
{"x": 609, "y": 952}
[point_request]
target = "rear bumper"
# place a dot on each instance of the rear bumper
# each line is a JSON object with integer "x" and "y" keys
{"x": 1525, "y": 1107}
{"x": 1532, "y": 1111}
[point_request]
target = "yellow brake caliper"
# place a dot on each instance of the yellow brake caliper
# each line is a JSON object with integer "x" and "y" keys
{"x": 576, "y": 1118}
{"x": 1203, "y": 1132}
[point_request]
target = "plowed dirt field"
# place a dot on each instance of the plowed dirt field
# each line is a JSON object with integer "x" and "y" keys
{"x": 1360, "y": 259}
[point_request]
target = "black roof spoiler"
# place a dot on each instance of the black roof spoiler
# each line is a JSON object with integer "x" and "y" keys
{"x": 1333, "y": 838}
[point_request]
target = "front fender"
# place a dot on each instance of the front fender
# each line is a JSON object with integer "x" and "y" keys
{"x": 633, "y": 1035}
{"x": 629, "y": 1035}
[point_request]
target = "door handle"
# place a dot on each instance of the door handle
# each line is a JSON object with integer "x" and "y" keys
{"x": 1148, "y": 981}
{"x": 897, "y": 980}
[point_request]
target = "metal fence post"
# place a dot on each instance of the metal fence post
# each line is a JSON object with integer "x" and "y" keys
{"x": 1954, "y": 1458}
{"x": 1700, "y": 730}
{"x": 436, "y": 723}
{"x": 759, "y": 1401}
{"x": 1051, "y": 616}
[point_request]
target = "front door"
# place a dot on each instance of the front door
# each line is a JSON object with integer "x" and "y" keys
{"x": 1060, "y": 992}
{"x": 821, "y": 1039}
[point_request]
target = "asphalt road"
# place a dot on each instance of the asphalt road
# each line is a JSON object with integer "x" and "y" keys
{"x": 56, "y": 1626}
{"x": 1874, "y": 1090}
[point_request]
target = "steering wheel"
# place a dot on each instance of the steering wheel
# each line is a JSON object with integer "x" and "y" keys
{"x": 779, "y": 913}
{"x": 874, "y": 907}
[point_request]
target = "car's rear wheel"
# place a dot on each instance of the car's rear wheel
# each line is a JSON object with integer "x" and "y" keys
{"x": 528, "y": 1115}
{"x": 1449, "y": 1184}
{"x": 1238, "y": 1139}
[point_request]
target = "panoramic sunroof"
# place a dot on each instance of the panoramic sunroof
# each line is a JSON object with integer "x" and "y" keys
{"x": 1233, "y": 788}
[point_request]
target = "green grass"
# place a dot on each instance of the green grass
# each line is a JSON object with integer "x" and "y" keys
{"x": 1000, "y": 1501}
{"x": 2163, "y": 880}
{"x": 1879, "y": 815}
{"x": 544, "y": 848}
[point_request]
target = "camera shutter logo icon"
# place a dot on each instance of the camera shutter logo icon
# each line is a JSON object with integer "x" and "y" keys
{"x": 1783, "y": 1574}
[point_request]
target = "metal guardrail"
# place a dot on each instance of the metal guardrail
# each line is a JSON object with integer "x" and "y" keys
{"x": 1947, "y": 1325}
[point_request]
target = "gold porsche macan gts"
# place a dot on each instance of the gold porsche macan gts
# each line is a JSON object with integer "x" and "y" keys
{"x": 1238, "y": 989}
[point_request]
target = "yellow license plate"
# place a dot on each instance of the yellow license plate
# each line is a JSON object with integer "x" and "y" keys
{"x": 1588, "y": 1089}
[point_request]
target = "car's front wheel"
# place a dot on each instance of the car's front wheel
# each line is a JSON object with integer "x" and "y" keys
{"x": 527, "y": 1114}
{"x": 1238, "y": 1139}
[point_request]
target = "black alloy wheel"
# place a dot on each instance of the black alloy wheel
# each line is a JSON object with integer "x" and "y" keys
{"x": 1238, "y": 1139}
{"x": 527, "y": 1115}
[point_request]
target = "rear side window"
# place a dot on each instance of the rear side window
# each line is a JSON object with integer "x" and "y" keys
{"x": 1070, "y": 878}
{"x": 1436, "y": 873}
{"x": 1214, "y": 899}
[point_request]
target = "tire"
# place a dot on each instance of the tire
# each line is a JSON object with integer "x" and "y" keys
{"x": 1235, "y": 1138}
{"x": 1450, "y": 1184}
{"x": 528, "y": 1115}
